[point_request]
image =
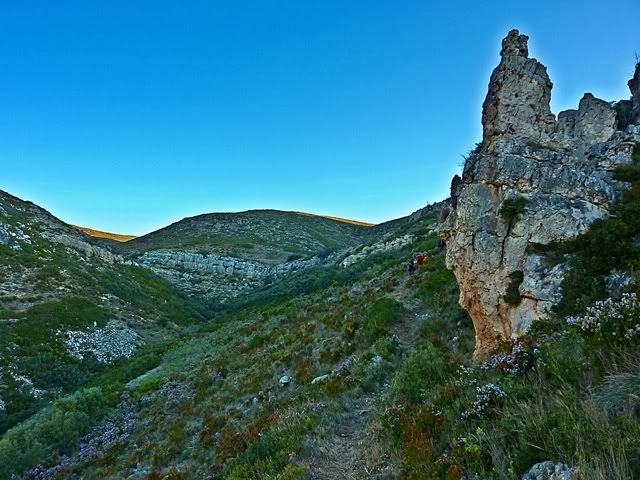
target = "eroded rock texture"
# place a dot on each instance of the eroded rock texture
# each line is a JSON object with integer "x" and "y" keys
{"x": 634, "y": 86}
{"x": 218, "y": 277}
{"x": 561, "y": 170}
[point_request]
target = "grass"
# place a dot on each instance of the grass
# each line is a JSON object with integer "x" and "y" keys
{"x": 110, "y": 236}
{"x": 56, "y": 428}
{"x": 263, "y": 234}
{"x": 214, "y": 405}
{"x": 381, "y": 315}
{"x": 205, "y": 383}
{"x": 568, "y": 396}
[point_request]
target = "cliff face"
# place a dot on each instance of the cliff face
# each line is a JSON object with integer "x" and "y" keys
{"x": 218, "y": 277}
{"x": 220, "y": 256}
{"x": 634, "y": 86}
{"x": 532, "y": 181}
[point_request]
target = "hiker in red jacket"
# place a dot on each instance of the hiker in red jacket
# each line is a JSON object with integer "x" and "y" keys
{"x": 420, "y": 258}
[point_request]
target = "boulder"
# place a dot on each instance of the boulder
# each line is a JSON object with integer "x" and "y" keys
{"x": 549, "y": 471}
{"x": 321, "y": 378}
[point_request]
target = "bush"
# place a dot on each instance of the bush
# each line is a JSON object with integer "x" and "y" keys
{"x": 58, "y": 428}
{"x": 610, "y": 321}
{"x": 381, "y": 315}
{"x": 69, "y": 313}
{"x": 425, "y": 368}
{"x": 619, "y": 392}
{"x": 608, "y": 245}
{"x": 512, "y": 208}
{"x": 268, "y": 456}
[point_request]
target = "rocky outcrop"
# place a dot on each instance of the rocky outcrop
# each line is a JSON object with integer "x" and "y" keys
{"x": 215, "y": 276}
{"x": 4, "y": 235}
{"x": 634, "y": 86}
{"x": 532, "y": 181}
{"x": 377, "y": 248}
{"x": 86, "y": 248}
{"x": 519, "y": 94}
{"x": 550, "y": 471}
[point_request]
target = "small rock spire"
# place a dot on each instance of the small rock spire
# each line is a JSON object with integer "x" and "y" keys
{"x": 519, "y": 95}
{"x": 515, "y": 44}
{"x": 634, "y": 86}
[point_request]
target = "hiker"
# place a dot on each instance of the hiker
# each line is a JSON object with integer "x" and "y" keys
{"x": 420, "y": 258}
{"x": 442, "y": 245}
{"x": 411, "y": 267}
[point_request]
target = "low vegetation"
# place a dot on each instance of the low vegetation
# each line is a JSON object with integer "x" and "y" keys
{"x": 364, "y": 369}
{"x": 512, "y": 209}
{"x": 610, "y": 245}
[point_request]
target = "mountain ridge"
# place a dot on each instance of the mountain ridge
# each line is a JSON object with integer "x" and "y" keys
{"x": 119, "y": 237}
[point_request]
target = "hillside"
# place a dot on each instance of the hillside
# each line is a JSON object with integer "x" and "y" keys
{"x": 70, "y": 308}
{"x": 364, "y": 372}
{"x": 100, "y": 234}
{"x": 271, "y": 345}
{"x": 230, "y": 371}
{"x": 268, "y": 236}
{"x": 220, "y": 256}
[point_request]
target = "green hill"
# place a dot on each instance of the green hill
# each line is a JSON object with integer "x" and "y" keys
{"x": 70, "y": 309}
{"x": 267, "y": 236}
{"x": 350, "y": 367}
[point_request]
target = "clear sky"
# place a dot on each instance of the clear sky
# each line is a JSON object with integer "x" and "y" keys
{"x": 128, "y": 115}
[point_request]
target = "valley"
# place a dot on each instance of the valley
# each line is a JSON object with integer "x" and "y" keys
{"x": 492, "y": 335}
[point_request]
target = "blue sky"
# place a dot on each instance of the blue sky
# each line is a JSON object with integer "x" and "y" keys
{"x": 128, "y": 115}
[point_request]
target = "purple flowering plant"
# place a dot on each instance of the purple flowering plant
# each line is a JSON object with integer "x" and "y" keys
{"x": 610, "y": 320}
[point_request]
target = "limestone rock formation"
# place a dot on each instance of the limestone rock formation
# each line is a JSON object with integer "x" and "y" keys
{"x": 634, "y": 86}
{"x": 533, "y": 180}
{"x": 215, "y": 276}
{"x": 550, "y": 471}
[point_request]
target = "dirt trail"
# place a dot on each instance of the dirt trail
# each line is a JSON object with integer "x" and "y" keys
{"x": 347, "y": 449}
{"x": 340, "y": 455}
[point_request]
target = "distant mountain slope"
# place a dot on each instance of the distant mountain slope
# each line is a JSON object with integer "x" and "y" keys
{"x": 224, "y": 255}
{"x": 237, "y": 362}
{"x": 338, "y": 219}
{"x": 69, "y": 308}
{"x": 267, "y": 236}
{"x": 100, "y": 234}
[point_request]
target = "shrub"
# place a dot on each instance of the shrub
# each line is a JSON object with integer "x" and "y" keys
{"x": 69, "y": 313}
{"x": 512, "y": 208}
{"x": 619, "y": 392}
{"x": 56, "y": 428}
{"x": 610, "y": 320}
{"x": 268, "y": 456}
{"x": 608, "y": 244}
{"x": 425, "y": 368}
{"x": 383, "y": 313}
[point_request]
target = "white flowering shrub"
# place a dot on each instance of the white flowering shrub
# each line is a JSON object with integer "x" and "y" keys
{"x": 3, "y": 406}
{"x": 610, "y": 319}
{"x": 21, "y": 383}
{"x": 487, "y": 396}
{"x": 107, "y": 344}
{"x": 465, "y": 377}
